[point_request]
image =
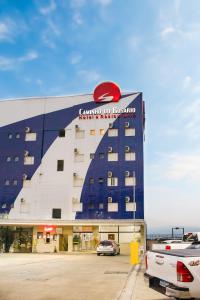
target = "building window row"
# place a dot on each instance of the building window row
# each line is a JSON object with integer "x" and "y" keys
{"x": 8, "y": 182}
{"x": 129, "y": 178}
{"x": 12, "y": 158}
{"x": 111, "y": 155}
{"x": 28, "y": 160}
{"x": 13, "y": 135}
{"x": 112, "y": 131}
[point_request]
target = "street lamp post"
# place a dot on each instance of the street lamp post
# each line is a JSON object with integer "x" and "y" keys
{"x": 177, "y": 228}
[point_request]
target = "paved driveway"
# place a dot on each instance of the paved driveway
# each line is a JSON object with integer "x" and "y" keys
{"x": 62, "y": 277}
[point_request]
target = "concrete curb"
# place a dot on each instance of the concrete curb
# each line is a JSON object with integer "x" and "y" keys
{"x": 128, "y": 289}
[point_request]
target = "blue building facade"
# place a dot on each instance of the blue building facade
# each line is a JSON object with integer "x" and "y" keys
{"x": 71, "y": 159}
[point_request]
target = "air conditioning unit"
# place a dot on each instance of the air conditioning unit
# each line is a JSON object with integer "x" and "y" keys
{"x": 24, "y": 176}
{"x": 127, "y": 199}
{"x": 74, "y": 200}
{"x": 27, "y": 129}
{"x": 110, "y": 125}
{"x": 26, "y": 153}
{"x": 109, "y": 174}
{"x": 109, "y": 199}
{"x": 22, "y": 200}
{"x": 76, "y": 150}
{"x": 76, "y": 127}
{"x": 127, "y": 149}
{"x": 75, "y": 174}
{"x": 127, "y": 173}
{"x": 110, "y": 149}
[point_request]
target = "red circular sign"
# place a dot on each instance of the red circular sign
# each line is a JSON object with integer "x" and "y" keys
{"x": 107, "y": 92}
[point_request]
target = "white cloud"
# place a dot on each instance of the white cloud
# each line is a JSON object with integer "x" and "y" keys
{"x": 77, "y": 18}
{"x": 75, "y": 58}
{"x": 183, "y": 167}
{"x": 39, "y": 82}
{"x": 104, "y": 2}
{"x": 167, "y": 31}
{"x": 90, "y": 76}
{"x": 9, "y": 29}
{"x": 8, "y": 63}
{"x": 31, "y": 55}
{"x": 134, "y": 42}
{"x": 191, "y": 85}
{"x": 77, "y": 3}
{"x": 48, "y": 9}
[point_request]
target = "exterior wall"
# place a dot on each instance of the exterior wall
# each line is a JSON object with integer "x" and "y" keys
{"x": 45, "y": 188}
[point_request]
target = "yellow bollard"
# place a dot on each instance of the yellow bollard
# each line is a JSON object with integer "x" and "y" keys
{"x": 134, "y": 253}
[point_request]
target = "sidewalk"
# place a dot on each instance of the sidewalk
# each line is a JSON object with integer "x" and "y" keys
{"x": 142, "y": 291}
{"x": 136, "y": 288}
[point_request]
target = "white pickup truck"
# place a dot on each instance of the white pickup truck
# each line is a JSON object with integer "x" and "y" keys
{"x": 175, "y": 273}
{"x": 187, "y": 240}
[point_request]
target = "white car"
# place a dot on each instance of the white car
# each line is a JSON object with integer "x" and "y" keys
{"x": 108, "y": 247}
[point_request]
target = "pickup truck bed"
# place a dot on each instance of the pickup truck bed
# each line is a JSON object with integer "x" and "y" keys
{"x": 175, "y": 273}
{"x": 180, "y": 252}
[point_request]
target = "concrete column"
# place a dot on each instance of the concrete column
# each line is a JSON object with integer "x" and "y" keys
{"x": 70, "y": 243}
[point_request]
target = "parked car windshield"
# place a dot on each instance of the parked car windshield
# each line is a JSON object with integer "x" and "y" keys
{"x": 105, "y": 243}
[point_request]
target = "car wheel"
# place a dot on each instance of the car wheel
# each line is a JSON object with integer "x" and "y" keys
{"x": 98, "y": 254}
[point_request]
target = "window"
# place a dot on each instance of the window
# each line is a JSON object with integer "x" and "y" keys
{"x": 77, "y": 207}
{"x": 91, "y": 155}
{"x": 112, "y": 207}
{"x": 79, "y": 134}
{"x": 30, "y": 137}
{"x": 113, "y": 181}
{"x": 16, "y": 158}
{"x": 112, "y": 156}
{"x": 101, "y": 180}
{"x": 10, "y": 136}
{"x": 100, "y": 205}
{"x": 60, "y": 165}
{"x": 62, "y": 133}
{"x": 91, "y": 205}
{"x": 17, "y": 136}
{"x": 8, "y": 158}
{"x": 101, "y": 131}
{"x": 130, "y": 156}
{"x": 91, "y": 180}
{"x": 101, "y": 155}
{"x": 112, "y": 132}
{"x": 131, "y": 206}
{"x": 78, "y": 157}
{"x": 29, "y": 160}
{"x": 92, "y": 132}
{"x": 56, "y": 213}
{"x": 15, "y": 182}
{"x": 7, "y": 182}
{"x": 129, "y": 131}
{"x": 39, "y": 235}
{"x": 130, "y": 181}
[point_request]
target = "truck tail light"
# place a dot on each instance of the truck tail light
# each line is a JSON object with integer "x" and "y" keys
{"x": 168, "y": 247}
{"x": 146, "y": 262}
{"x": 183, "y": 274}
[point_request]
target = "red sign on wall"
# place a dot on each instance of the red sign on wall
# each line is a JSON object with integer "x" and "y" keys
{"x": 107, "y": 92}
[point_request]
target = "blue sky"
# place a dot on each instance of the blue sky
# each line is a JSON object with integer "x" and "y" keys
{"x": 65, "y": 47}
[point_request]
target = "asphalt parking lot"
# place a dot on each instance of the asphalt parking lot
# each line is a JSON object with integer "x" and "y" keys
{"x": 62, "y": 277}
{"x": 72, "y": 277}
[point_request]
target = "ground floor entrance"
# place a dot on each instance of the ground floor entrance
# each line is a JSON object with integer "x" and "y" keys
{"x": 70, "y": 238}
{"x": 16, "y": 239}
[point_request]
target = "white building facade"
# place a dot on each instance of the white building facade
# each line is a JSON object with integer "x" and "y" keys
{"x": 71, "y": 172}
